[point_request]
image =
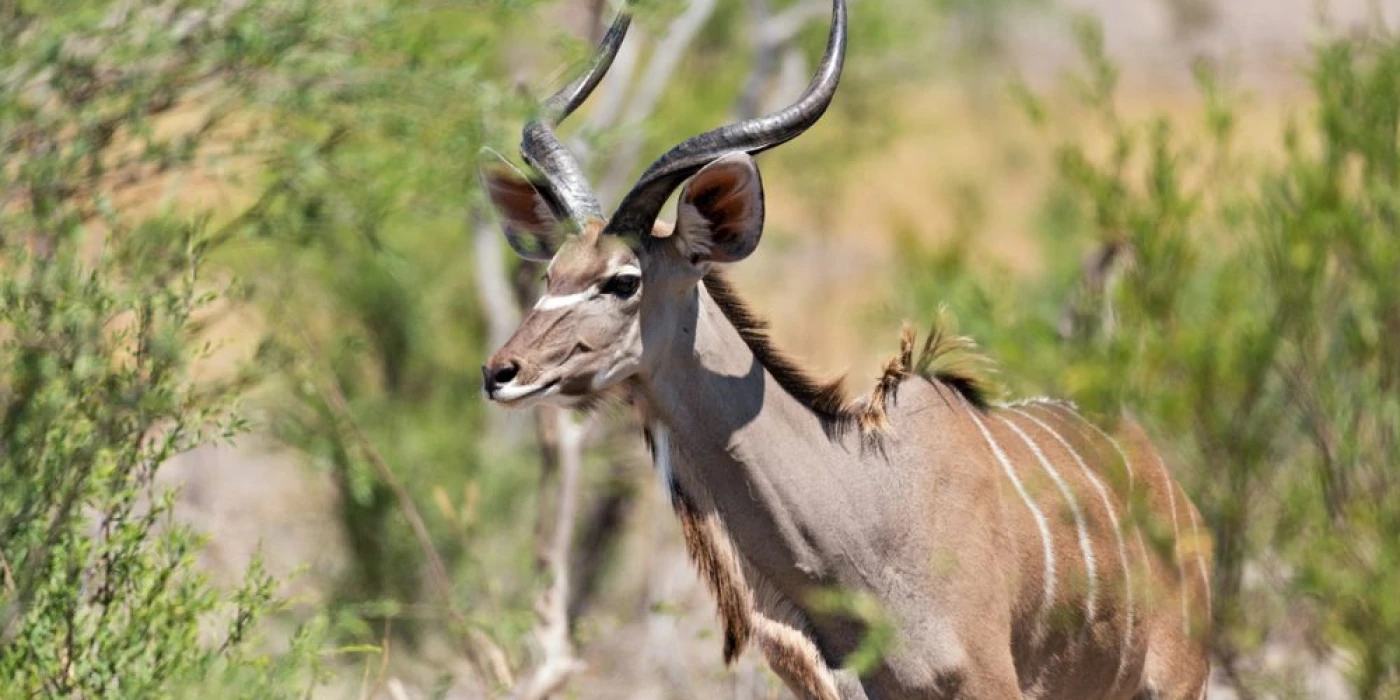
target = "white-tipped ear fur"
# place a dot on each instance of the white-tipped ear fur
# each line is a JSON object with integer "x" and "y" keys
{"x": 721, "y": 211}
{"x": 531, "y": 227}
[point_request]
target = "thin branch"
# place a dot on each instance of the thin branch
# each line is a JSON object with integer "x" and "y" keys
{"x": 1089, "y": 307}
{"x": 598, "y": 529}
{"x": 607, "y": 102}
{"x": 269, "y": 196}
{"x": 7, "y": 575}
{"x": 383, "y": 672}
{"x": 765, "y": 55}
{"x": 793, "y": 73}
{"x": 553, "y": 632}
{"x": 334, "y": 398}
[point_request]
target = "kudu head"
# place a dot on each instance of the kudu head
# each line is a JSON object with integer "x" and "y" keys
{"x": 616, "y": 289}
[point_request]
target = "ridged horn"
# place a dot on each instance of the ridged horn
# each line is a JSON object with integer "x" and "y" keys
{"x": 542, "y": 149}
{"x": 639, "y": 208}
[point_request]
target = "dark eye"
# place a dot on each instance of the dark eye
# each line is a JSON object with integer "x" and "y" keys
{"x": 622, "y": 286}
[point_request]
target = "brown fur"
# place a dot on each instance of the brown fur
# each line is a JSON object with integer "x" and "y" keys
{"x": 710, "y": 548}
{"x": 788, "y": 651}
{"x": 793, "y": 656}
{"x": 954, "y": 360}
{"x": 896, "y": 370}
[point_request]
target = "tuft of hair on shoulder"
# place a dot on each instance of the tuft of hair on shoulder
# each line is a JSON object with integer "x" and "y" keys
{"x": 956, "y": 361}
{"x": 871, "y": 417}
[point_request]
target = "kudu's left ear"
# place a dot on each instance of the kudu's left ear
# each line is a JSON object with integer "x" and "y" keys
{"x": 721, "y": 211}
{"x": 531, "y": 226}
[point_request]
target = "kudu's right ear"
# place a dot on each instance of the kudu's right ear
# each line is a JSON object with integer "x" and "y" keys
{"x": 721, "y": 210}
{"x": 531, "y": 226}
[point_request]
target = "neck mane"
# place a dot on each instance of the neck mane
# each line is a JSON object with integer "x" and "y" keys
{"x": 947, "y": 359}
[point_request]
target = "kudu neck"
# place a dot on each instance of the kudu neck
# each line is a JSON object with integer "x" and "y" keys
{"x": 711, "y": 388}
{"x": 736, "y": 442}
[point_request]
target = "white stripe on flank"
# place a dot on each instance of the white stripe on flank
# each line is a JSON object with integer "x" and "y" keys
{"x": 1170, "y": 486}
{"x": 549, "y": 301}
{"x": 1147, "y": 559}
{"x": 1117, "y": 534}
{"x": 1074, "y": 508}
{"x": 661, "y": 454}
{"x": 1049, "y": 547}
{"x": 1128, "y": 465}
{"x": 1082, "y": 530}
{"x": 1042, "y": 400}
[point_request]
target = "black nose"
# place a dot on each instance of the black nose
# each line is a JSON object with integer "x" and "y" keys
{"x": 493, "y": 377}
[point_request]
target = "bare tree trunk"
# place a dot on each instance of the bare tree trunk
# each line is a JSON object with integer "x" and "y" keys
{"x": 607, "y": 516}
{"x": 554, "y": 633}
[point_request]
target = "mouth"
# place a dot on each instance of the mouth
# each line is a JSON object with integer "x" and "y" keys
{"x": 512, "y": 395}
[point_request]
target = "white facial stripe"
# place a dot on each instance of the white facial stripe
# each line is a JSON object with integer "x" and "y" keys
{"x": 549, "y": 302}
{"x": 1127, "y": 463}
{"x": 1117, "y": 533}
{"x": 1040, "y": 522}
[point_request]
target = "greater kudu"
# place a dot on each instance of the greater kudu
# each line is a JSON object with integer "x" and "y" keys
{"x": 1015, "y": 550}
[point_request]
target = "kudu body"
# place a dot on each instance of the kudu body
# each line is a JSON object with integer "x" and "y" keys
{"x": 1011, "y": 551}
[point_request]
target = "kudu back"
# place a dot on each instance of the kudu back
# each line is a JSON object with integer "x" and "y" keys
{"x": 1013, "y": 550}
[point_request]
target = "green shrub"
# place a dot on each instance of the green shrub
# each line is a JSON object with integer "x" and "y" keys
{"x": 104, "y": 306}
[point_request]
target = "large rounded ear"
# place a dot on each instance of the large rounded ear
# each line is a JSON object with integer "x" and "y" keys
{"x": 532, "y": 228}
{"x": 721, "y": 211}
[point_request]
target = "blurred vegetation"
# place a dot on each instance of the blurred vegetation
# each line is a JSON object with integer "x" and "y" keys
{"x": 103, "y": 312}
{"x": 1246, "y": 312}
